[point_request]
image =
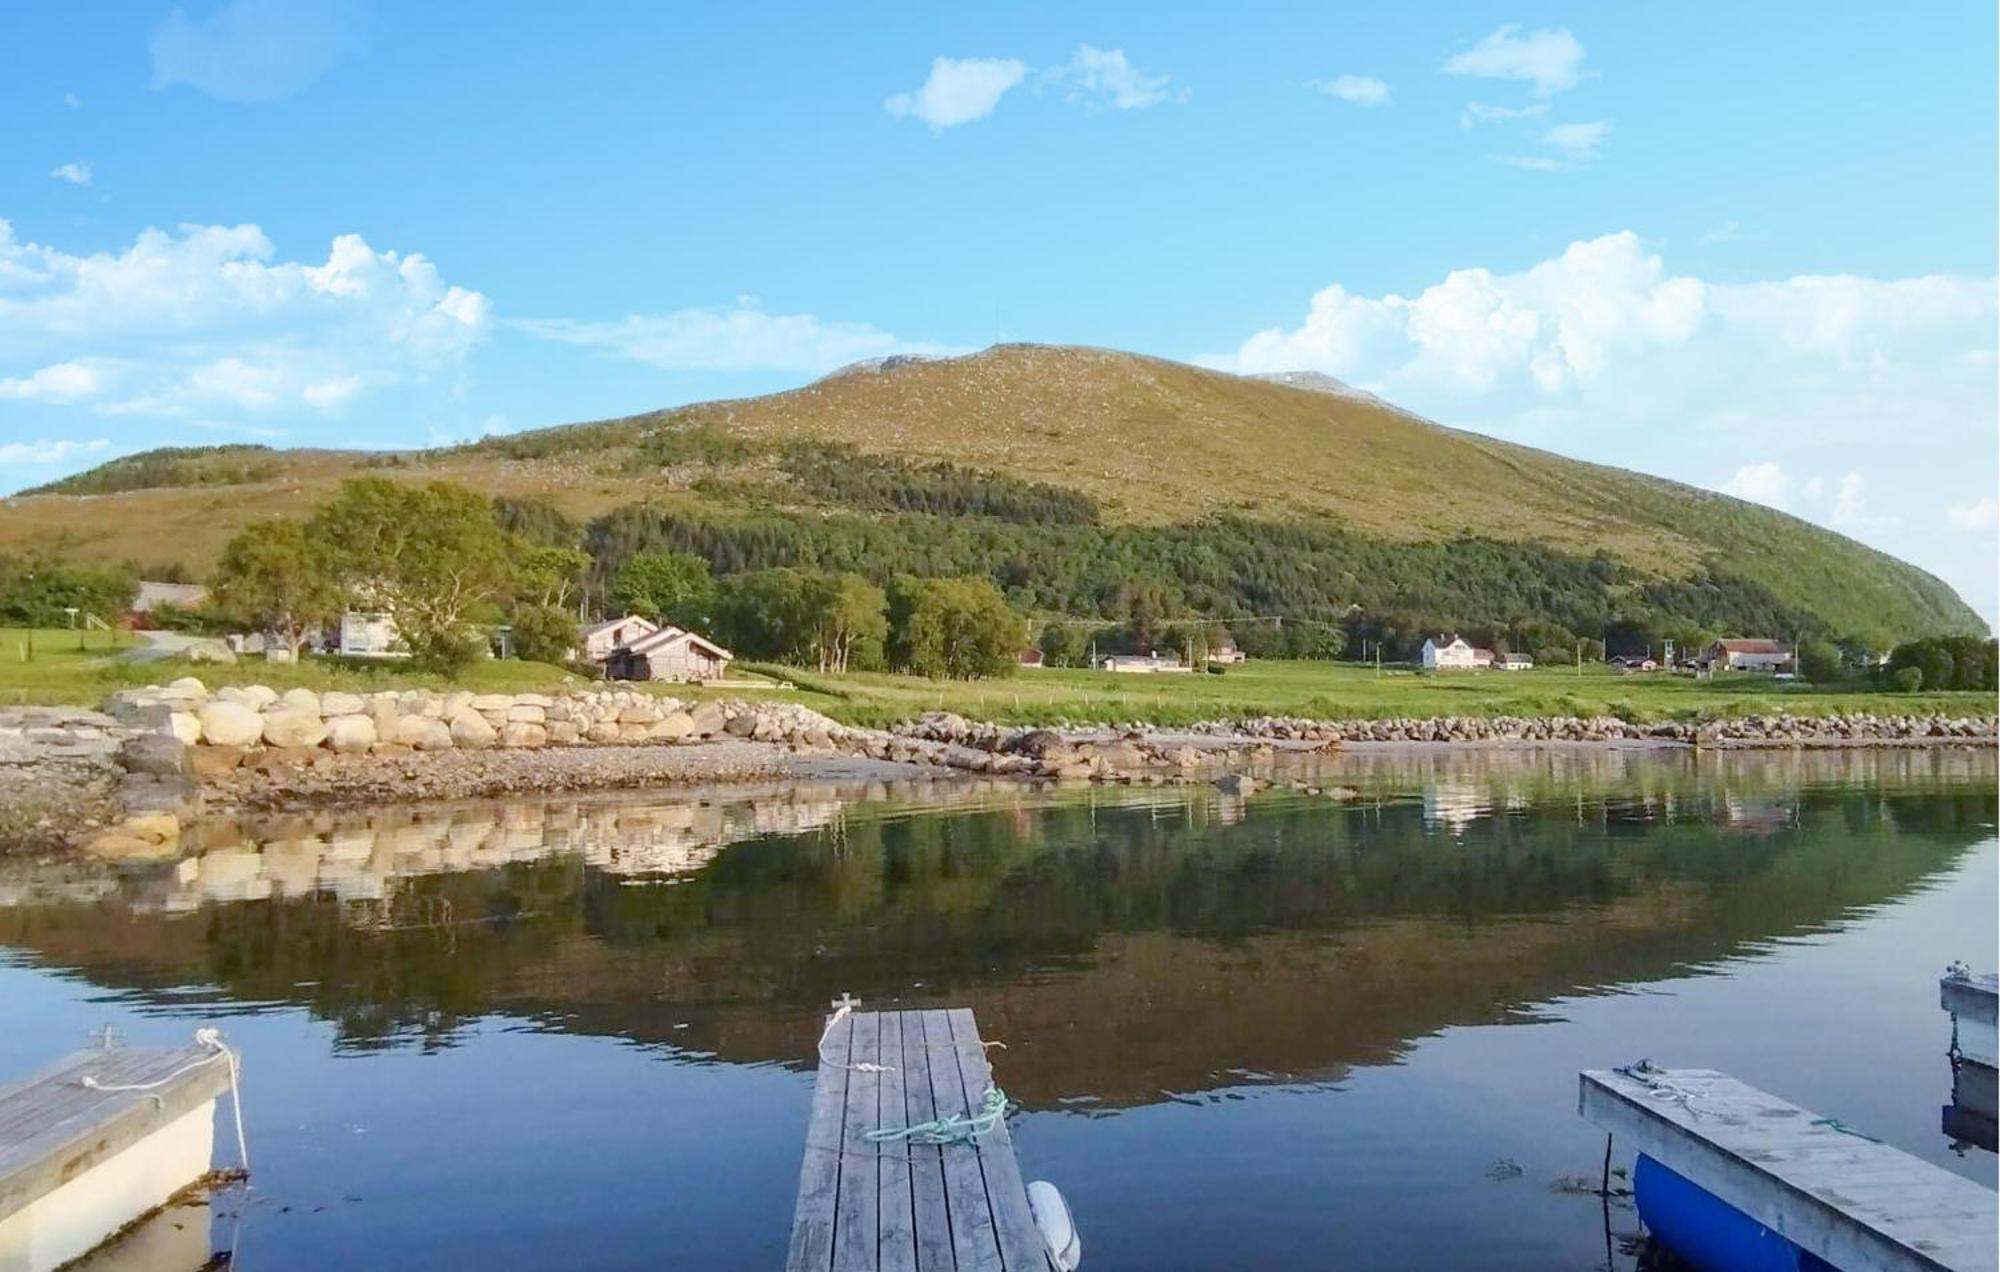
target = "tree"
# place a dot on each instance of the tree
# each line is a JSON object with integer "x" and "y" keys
{"x": 849, "y": 621}
{"x": 430, "y": 556}
{"x": 961, "y": 628}
{"x": 1065, "y": 644}
{"x": 768, "y": 614}
{"x": 1930, "y": 657}
{"x": 1907, "y": 679}
{"x": 40, "y": 590}
{"x": 1819, "y": 661}
{"x": 547, "y": 576}
{"x": 276, "y": 576}
{"x": 667, "y": 587}
{"x": 544, "y": 633}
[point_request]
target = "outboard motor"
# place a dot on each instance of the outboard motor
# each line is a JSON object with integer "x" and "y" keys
{"x": 1058, "y": 1229}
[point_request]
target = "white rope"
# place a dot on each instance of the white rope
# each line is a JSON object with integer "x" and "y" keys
{"x": 218, "y": 1050}
{"x": 841, "y": 1013}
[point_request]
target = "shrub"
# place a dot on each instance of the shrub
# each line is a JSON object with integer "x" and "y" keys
{"x": 543, "y": 633}
{"x": 1908, "y": 679}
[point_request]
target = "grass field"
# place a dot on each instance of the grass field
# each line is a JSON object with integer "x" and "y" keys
{"x": 68, "y": 668}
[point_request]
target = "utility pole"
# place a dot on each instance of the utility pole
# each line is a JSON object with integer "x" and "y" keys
{"x": 1579, "y": 657}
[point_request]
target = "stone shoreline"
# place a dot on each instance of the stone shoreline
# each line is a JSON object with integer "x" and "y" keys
{"x": 120, "y": 782}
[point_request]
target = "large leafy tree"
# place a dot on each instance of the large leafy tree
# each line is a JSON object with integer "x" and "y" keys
{"x": 957, "y": 628}
{"x": 850, "y": 623}
{"x": 669, "y": 587}
{"x": 277, "y": 576}
{"x": 431, "y": 556}
{"x": 547, "y": 576}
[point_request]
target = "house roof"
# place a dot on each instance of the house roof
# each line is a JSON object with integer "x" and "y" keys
{"x": 598, "y": 629}
{"x": 1753, "y": 646}
{"x": 654, "y": 642}
{"x": 1478, "y": 653}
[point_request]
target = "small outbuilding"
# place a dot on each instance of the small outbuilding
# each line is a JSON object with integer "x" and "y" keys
{"x": 1749, "y": 655}
{"x": 669, "y": 653}
{"x": 1142, "y": 664}
{"x": 1513, "y": 662}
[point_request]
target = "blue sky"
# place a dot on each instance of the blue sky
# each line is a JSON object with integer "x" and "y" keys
{"x": 1748, "y": 247}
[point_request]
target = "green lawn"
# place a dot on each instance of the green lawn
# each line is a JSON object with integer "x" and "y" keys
{"x": 69, "y": 668}
{"x": 1343, "y": 691}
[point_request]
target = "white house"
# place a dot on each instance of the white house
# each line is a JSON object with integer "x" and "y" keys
{"x": 1513, "y": 662}
{"x": 369, "y": 634}
{"x": 1144, "y": 664}
{"x": 1226, "y": 653}
{"x": 1749, "y": 655}
{"x": 668, "y": 653}
{"x": 1453, "y": 653}
{"x": 595, "y": 643}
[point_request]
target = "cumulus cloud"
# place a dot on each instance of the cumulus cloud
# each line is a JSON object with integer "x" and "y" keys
{"x": 75, "y": 173}
{"x": 1602, "y": 351}
{"x": 1477, "y": 113}
{"x": 255, "y": 50}
{"x": 1982, "y": 514}
{"x": 1548, "y": 59}
{"x": 1103, "y": 77}
{"x": 1362, "y": 90}
{"x": 958, "y": 91}
{"x": 206, "y": 316}
{"x": 45, "y": 451}
{"x": 1766, "y": 483}
{"x": 739, "y": 339}
{"x": 60, "y": 383}
{"x": 1567, "y": 146}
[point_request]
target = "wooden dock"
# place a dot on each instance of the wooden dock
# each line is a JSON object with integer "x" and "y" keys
{"x": 1860, "y": 1205}
{"x": 78, "y": 1162}
{"x": 896, "y": 1206}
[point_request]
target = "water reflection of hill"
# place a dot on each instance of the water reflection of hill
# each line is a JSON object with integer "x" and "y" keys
{"x": 1160, "y": 941}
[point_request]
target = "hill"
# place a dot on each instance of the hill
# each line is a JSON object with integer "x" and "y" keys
{"x": 1036, "y": 449}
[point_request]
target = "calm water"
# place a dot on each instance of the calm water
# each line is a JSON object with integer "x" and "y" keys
{"x": 1271, "y": 1033}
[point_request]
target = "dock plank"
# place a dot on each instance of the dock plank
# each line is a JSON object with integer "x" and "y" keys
{"x": 1021, "y": 1246}
{"x": 896, "y": 1238}
{"x": 973, "y": 1242}
{"x": 856, "y": 1231}
{"x": 811, "y": 1248}
{"x": 1854, "y": 1203}
{"x": 928, "y": 1210}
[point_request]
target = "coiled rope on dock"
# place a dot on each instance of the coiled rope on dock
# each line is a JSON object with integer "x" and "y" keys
{"x": 208, "y": 1037}
{"x": 959, "y": 1128}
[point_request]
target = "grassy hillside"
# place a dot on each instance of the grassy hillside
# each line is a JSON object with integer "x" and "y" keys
{"x": 1123, "y": 440}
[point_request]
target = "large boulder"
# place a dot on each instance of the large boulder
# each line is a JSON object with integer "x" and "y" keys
{"x": 350, "y": 733}
{"x": 292, "y": 727}
{"x": 435, "y": 735}
{"x": 492, "y": 702}
{"x": 523, "y": 733}
{"x": 673, "y": 728}
{"x": 333, "y": 703}
{"x": 155, "y": 753}
{"x": 299, "y": 700}
{"x": 229, "y": 724}
{"x": 469, "y": 729}
{"x": 706, "y": 719}
{"x": 183, "y": 727}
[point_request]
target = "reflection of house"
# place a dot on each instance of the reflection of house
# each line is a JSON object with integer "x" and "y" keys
{"x": 1142, "y": 663}
{"x": 595, "y": 643}
{"x": 668, "y": 654}
{"x": 1749, "y": 655}
{"x": 1453, "y": 653}
{"x": 369, "y": 634}
{"x": 1454, "y": 805}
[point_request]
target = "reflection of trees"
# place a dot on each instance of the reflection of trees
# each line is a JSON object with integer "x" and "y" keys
{"x": 1122, "y": 949}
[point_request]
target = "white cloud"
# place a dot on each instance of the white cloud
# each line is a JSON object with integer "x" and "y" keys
{"x": 1570, "y": 146}
{"x": 1549, "y": 59}
{"x": 48, "y": 452}
{"x": 1362, "y": 90}
{"x": 76, "y": 173}
{"x": 1476, "y": 113}
{"x": 1103, "y": 77}
{"x": 255, "y": 50}
{"x": 1982, "y": 514}
{"x": 1766, "y": 483}
{"x": 1603, "y": 352}
{"x": 958, "y": 91}
{"x": 60, "y": 383}
{"x": 205, "y": 317}
{"x": 1731, "y": 232}
{"x": 729, "y": 340}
